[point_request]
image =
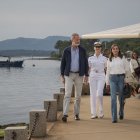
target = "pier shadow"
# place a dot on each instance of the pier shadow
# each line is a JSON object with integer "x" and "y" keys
{"x": 130, "y": 122}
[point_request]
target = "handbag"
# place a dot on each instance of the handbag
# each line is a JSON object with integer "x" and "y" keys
{"x": 137, "y": 71}
{"x": 127, "y": 91}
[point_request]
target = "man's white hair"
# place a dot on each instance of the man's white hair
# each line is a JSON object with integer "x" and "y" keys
{"x": 73, "y": 35}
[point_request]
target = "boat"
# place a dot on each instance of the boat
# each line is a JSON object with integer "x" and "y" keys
{"x": 9, "y": 63}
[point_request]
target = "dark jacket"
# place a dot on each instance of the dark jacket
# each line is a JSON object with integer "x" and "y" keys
{"x": 66, "y": 62}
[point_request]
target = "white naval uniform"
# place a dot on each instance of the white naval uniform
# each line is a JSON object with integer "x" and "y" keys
{"x": 97, "y": 66}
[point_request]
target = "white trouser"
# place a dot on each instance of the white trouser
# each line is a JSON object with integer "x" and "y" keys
{"x": 77, "y": 80}
{"x": 97, "y": 83}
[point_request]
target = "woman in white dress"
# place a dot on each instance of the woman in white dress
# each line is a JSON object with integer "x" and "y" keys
{"x": 97, "y": 66}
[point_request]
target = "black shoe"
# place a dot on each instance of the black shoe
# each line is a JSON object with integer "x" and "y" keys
{"x": 77, "y": 117}
{"x": 121, "y": 117}
{"x": 114, "y": 121}
{"x": 64, "y": 118}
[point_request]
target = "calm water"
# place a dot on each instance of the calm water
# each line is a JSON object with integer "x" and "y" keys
{"x": 24, "y": 89}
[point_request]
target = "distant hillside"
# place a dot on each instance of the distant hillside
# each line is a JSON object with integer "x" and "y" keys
{"x": 46, "y": 44}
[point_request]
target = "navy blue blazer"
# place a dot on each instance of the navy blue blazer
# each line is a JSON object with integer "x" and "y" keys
{"x": 66, "y": 62}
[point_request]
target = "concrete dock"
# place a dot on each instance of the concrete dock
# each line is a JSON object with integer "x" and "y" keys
{"x": 98, "y": 129}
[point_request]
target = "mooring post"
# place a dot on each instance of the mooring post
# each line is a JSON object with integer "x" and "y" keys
{"x": 51, "y": 108}
{"x": 37, "y": 124}
{"x": 59, "y": 97}
{"x": 16, "y": 133}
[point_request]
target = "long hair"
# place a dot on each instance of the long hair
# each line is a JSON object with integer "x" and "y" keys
{"x": 133, "y": 56}
{"x": 111, "y": 54}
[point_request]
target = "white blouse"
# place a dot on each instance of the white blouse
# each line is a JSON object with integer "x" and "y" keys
{"x": 97, "y": 64}
{"x": 116, "y": 66}
{"x": 133, "y": 65}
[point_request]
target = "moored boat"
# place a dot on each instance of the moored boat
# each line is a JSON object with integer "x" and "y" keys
{"x": 9, "y": 63}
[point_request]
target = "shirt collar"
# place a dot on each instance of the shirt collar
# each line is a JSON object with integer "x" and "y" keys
{"x": 99, "y": 55}
{"x": 74, "y": 49}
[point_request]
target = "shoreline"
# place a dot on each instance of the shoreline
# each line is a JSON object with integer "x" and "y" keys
{"x": 13, "y": 124}
{"x": 2, "y": 127}
{"x": 44, "y": 58}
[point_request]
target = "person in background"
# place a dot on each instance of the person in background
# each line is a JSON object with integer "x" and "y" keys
{"x": 130, "y": 78}
{"x": 116, "y": 68}
{"x": 106, "y": 53}
{"x": 74, "y": 69}
{"x": 134, "y": 63}
{"x": 97, "y": 66}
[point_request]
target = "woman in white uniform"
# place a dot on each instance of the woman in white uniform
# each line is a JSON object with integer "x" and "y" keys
{"x": 97, "y": 66}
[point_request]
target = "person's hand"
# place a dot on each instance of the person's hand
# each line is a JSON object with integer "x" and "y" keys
{"x": 63, "y": 79}
{"x": 86, "y": 79}
{"x": 139, "y": 90}
{"x": 108, "y": 88}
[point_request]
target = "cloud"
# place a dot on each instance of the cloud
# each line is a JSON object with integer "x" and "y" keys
{"x": 40, "y": 18}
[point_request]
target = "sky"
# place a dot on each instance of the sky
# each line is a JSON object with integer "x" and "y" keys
{"x": 42, "y": 18}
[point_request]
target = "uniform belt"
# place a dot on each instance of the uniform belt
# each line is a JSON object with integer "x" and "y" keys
{"x": 96, "y": 71}
{"x": 74, "y": 71}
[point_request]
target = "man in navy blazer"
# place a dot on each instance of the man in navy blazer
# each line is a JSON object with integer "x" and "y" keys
{"x": 74, "y": 70}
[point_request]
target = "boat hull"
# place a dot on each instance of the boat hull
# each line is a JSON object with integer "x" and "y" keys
{"x": 11, "y": 63}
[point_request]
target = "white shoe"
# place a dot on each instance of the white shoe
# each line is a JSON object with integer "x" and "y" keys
{"x": 94, "y": 117}
{"x": 101, "y": 116}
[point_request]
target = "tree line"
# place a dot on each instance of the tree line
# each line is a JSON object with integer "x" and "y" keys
{"x": 124, "y": 44}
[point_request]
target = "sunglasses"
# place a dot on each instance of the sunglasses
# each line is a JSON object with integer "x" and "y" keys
{"x": 97, "y": 46}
